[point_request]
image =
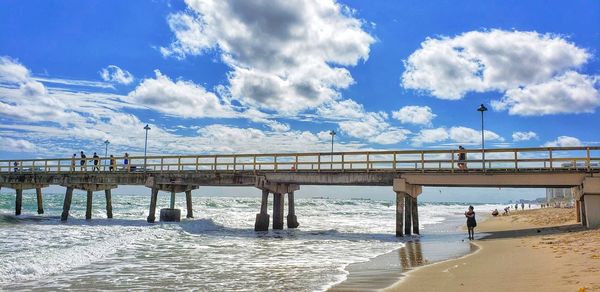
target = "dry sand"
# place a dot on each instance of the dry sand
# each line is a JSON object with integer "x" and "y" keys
{"x": 532, "y": 250}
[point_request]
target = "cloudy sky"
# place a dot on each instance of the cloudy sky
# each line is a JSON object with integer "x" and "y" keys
{"x": 213, "y": 76}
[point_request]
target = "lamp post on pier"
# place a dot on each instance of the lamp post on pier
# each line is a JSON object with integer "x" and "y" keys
{"x": 146, "y": 145}
{"x": 482, "y": 109}
{"x": 332, "y": 133}
{"x": 105, "y": 151}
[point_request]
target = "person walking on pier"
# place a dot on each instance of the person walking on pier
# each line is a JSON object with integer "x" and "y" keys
{"x": 471, "y": 222}
{"x": 96, "y": 162}
{"x": 126, "y": 162}
{"x": 462, "y": 157}
{"x": 73, "y": 161}
{"x": 113, "y": 163}
{"x": 16, "y": 165}
{"x": 83, "y": 162}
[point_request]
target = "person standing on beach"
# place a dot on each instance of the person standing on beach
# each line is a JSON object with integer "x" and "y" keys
{"x": 471, "y": 223}
{"x": 522, "y": 206}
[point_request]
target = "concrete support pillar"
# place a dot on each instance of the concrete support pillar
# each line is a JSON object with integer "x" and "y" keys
{"x": 40, "y": 205}
{"x": 292, "y": 220}
{"x": 67, "y": 204}
{"x": 152, "y": 212}
{"x": 415, "y": 215}
{"x": 88, "y": 205}
{"x": 262, "y": 218}
{"x": 108, "y": 195}
{"x": 591, "y": 202}
{"x": 583, "y": 215}
{"x": 399, "y": 213}
{"x": 188, "y": 202}
{"x": 578, "y": 210}
{"x": 278, "y": 210}
{"x": 407, "y": 214}
{"x": 18, "y": 201}
{"x": 172, "y": 200}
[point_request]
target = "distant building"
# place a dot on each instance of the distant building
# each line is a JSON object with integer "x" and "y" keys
{"x": 559, "y": 195}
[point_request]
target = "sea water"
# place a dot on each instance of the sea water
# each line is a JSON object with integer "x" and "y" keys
{"x": 218, "y": 250}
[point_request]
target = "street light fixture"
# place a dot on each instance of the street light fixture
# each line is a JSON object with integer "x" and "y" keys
{"x": 482, "y": 109}
{"x": 332, "y": 133}
{"x": 146, "y": 145}
{"x": 106, "y": 151}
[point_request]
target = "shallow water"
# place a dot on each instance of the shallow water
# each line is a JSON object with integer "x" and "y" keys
{"x": 218, "y": 250}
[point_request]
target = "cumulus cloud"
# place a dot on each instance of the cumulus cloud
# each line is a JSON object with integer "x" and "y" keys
{"x": 457, "y": 134}
{"x": 178, "y": 98}
{"x": 524, "y": 136}
{"x": 285, "y": 56}
{"x": 563, "y": 141}
{"x": 525, "y": 66}
{"x": 115, "y": 74}
{"x": 16, "y": 145}
{"x": 11, "y": 71}
{"x": 413, "y": 114}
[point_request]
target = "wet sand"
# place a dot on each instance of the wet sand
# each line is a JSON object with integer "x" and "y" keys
{"x": 532, "y": 250}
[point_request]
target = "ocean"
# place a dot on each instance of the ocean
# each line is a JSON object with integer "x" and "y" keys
{"x": 218, "y": 250}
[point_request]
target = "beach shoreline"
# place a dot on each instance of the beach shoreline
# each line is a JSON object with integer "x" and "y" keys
{"x": 539, "y": 250}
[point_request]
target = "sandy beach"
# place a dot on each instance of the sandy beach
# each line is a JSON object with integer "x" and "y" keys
{"x": 531, "y": 250}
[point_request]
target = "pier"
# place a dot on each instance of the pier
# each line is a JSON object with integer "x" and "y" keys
{"x": 406, "y": 172}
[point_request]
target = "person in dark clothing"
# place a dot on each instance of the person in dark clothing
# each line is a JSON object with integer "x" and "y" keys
{"x": 113, "y": 163}
{"x": 96, "y": 162}
{"x": 16, "y": 165}
{"x": 83, "y": 161}
{"x": 471, "y": 222}
{"x": 462, "y": 157}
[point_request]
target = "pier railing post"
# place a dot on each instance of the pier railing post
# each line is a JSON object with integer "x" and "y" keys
{"x": 108, "y": 195}
{"x": 67, "y": 204}
{"x": 188, "y": 203}
{"x": 292, "y": 220}
{"x": 278, "y": 210}
{"x": 399, "y": 213}
{"x": 18, "y": 201}
{"x": 38, "y": 194}
{"x": 151, "y": 214}
{"x": 88, "y": 207}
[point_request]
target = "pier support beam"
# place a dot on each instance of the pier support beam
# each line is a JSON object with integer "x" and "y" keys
{"x": 406, "y": 207}
{"x": 67, "y": 204}
{"x": 415, "y": 215}
{"x": 188, "y": 203}
{"x": 591, "y": 202}
{"x": 407, "y": 214}
{"x": 18, "y": 201}
{"x": 151, "y": 214}
{"x": 278, "y": 203}
{"x": 40, "y": 205}
{"x": 292, "y": 220}
{"x": 108, "y": 195}
{"x": 88, "y": 205}
{"x": 262, "y": 218}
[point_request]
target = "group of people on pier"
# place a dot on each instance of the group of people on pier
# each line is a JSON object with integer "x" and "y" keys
{"x": 83, "y": 162}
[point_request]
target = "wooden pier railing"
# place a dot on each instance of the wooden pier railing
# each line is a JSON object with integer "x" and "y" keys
{"x": 496, "y": 160}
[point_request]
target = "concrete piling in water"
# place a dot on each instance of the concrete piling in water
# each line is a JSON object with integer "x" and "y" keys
{"x": 262, "y": 218}
{"x": 399, "y": 213}
{"x": 88, "y": 205}
{"x": 40, "y": 205}
{"x": 407, "y": 214}
{"x": 170, "y": 214}
{"x": 292, "y": 220}
{"x": 151, "y": 214}
{"x": 278, "y": 210}
{"x": 188, "y": 202}
{"x": 67, "y": 204}
{"x": 108, "y": 195}
{"x": 415, "y": 216}
{"x": 18, "y": 201}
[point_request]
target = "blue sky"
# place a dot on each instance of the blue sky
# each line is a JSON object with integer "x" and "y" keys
{"x": 276, "y": 76}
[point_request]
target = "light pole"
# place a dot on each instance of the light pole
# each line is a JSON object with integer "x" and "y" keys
{"x": 146, "y": 145}
{"x": 106, "y": 152}
{"x": 332, "y": 133}
{"x": 482, "y": 109}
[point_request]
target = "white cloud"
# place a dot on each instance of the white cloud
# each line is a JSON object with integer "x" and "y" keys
{"x": 524, "y": 136}
{"x": 285, "y": 55}
{"x": 115, "y": 74}
{"x": 16, "y": 145}
{"x": 535, "y": 71}
{"x": 373, "y": 128}
{"x": 563, "y": 141}
{"x": 568, "y": 93}
{"x": 413, "y": 114}
{"x": 427, "y": 136}
{"x": 11, "y": 71}
{"x": 459, "y": 134}
{"x": 180, "y": 98}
